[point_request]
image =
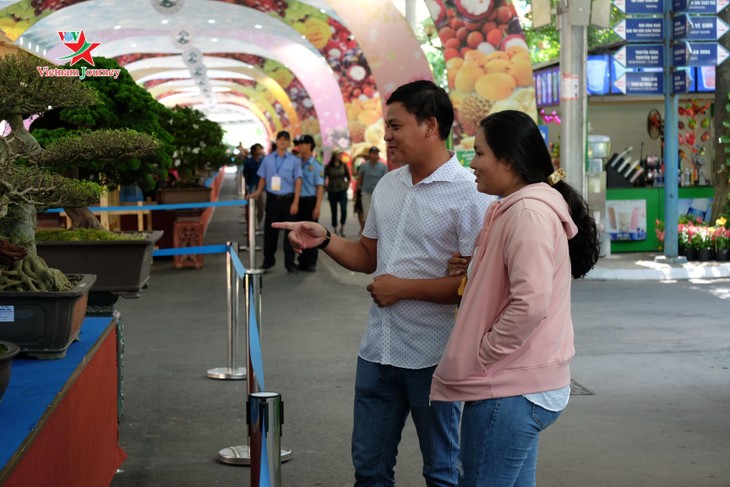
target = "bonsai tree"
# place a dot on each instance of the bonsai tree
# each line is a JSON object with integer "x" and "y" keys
{"x": 198, "y": 144}
{"x": 29, "y": 181}
{"x": 123, "y": 105}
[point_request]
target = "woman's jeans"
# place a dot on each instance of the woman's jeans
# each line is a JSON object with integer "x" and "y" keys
{"x": 384, "y": 396}
{"x": 338, "y": 198}
{"x": 499, "y": 440}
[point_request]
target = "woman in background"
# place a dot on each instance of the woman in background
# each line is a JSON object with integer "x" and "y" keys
{"x": 509, "y": 353}
{"x": 336, "y": 181}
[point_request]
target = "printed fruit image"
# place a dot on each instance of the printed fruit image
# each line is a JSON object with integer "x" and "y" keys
{"x": 495, "y": 86}
{"x": 474, "y": 10}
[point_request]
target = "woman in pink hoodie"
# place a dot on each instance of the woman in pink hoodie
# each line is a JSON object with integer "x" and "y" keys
{"x": 508, "y": 356}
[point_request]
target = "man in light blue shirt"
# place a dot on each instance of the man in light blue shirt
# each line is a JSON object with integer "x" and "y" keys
{"x": 311, "y": 198}
{"x": 369, "y": 173}
{"x": 281, "y": 177}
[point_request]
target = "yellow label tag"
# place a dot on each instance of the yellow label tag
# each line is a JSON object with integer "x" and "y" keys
{"x": 276, "y": 183}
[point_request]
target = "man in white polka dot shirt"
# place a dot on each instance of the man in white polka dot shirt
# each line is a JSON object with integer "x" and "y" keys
{"x": 420, "y": 215}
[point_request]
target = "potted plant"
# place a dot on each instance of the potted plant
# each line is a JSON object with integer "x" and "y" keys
{"x": 8, "y": 350}
{"x": 45, "y": 306}
{"x": 124, "y": 106}
{"x": 199, "y": 151}
{"x": 721, "y": 237}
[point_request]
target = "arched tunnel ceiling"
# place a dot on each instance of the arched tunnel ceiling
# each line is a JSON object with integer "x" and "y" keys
{"x": 333, "y": 61}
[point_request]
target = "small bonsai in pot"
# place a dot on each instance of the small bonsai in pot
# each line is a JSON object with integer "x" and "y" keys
{"x": 30, "y": 174}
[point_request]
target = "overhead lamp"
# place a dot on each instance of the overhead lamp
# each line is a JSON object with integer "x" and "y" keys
{"x": 117, "y": 27}
{"x": 215, "y": 39}
{"x": 164, "y": 21}
{"x": 211, "y": 21}
{"x": 323, "y": 11}
{"x": 258, "y": 26}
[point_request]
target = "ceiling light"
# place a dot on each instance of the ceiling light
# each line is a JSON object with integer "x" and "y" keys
{"x": 323, "y": 11}
{"x": 117, "y": 27}
{"x": 214, "y": 40}
{"x": 21, "y": 40}
{"x": 164, "y": 21}
{"x": 258, "y": 26}
{"x": 134, "y": 45}
{"x": 211, "y": 21}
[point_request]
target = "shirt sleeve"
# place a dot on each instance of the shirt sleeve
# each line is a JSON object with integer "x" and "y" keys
{"x": 262, "y": 169}
{"x": 319, "y": 179}
{"x": 297, "y": 174}
{"x": 471, "y": 220}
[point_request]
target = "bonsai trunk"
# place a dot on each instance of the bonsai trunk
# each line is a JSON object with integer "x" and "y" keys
{"x": 30, "y": 273}
{"x": 83, "y": 218}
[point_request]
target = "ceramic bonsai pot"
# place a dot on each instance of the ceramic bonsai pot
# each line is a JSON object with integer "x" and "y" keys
{"x": 122, "y": 267}
{"x": 44, "y": 324}
{"x": 7, "y": 352}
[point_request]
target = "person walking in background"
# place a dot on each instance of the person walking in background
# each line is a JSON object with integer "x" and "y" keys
{"x": 369, "y": 173}
{"x": 281, "y": 177}
{"x": 250, "y": 175}
{"x": 419, "y": 216}
{"x": 509, "y": 354}
{"x": 357, "y": 197}
{"x": 337, "y": 180}
{"x": 311, "y": 198}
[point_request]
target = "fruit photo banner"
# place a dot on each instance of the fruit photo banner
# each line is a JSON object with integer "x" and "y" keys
{"x": 393, "y": 55}
{"x": 487, "y": 62}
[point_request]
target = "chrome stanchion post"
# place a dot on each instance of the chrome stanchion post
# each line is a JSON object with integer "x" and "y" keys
{"x": 252, "y": 235}
{"x": 241, "y": 455}
{"x": 234, "y": 370}
{"x": 265, "y": 414}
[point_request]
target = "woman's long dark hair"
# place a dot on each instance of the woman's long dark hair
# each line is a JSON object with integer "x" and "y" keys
{"x": 333, "y": 158}
{"x": 514, "y": 137}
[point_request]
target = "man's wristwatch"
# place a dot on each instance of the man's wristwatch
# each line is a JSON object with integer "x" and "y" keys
{"x": 326, "y": 241}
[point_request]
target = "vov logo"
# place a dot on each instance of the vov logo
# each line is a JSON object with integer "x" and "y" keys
{"x": 76, "y": 41}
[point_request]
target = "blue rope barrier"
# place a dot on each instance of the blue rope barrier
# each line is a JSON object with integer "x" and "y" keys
{"x": 176, "y": 206}
{"x": 265, "y": 479}
{"x": 254, "y": 347}
{"x": 237, "y": 264}
{"x": 205, "y": 249}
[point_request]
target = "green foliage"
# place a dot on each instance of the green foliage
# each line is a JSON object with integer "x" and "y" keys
{"x": 198, "y": 142}
{"x": 25, "y": 92}
{"x": 83, "y": 235}
{"x": 123, "y": 105}
{"x": 426, "y": 34}
{"x": 544, "y": 41}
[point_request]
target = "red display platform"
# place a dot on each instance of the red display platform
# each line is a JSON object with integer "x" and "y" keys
{"x": 59, "y": 417}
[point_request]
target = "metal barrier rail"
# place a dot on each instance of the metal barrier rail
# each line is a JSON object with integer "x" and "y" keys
{"x": 264, "y": 410}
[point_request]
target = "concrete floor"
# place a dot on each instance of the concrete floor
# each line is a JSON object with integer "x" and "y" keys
{"x": 655, "y": 357}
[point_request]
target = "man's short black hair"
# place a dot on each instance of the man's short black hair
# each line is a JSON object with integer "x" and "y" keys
{"x": 424, "y": 99}
{"x": 256, "y": 146}
{"x": 284, "y": 134}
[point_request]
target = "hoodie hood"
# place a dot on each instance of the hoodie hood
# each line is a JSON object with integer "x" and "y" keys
{"x": 546, "y": 194}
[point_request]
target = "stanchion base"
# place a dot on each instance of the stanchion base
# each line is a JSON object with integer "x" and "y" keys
{"x": 240, "y": 455}
{"x": 237, "y": 373}
{"x": 244, "y": 248}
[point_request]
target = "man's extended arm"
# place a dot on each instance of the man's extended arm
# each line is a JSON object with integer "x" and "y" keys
{"x": 358, "y": 256}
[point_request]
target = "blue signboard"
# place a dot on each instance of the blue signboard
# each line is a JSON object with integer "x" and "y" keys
{"x": 681, "y": 81}
{"x": 705, "y": 28}
{"x": 641, "y": 6}
{"x": 680, "y": 54}
{"x": 704, "y": 6}
{"x": 641, "y": 56}
{"x": 640, "y": 29}
{"x": 649, "y": 83}
{"x": 681, "y": 26}
{"x": 699, "y": 54}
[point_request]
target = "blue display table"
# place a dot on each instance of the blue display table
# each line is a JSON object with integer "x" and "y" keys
{"x": 58, "y": 418}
